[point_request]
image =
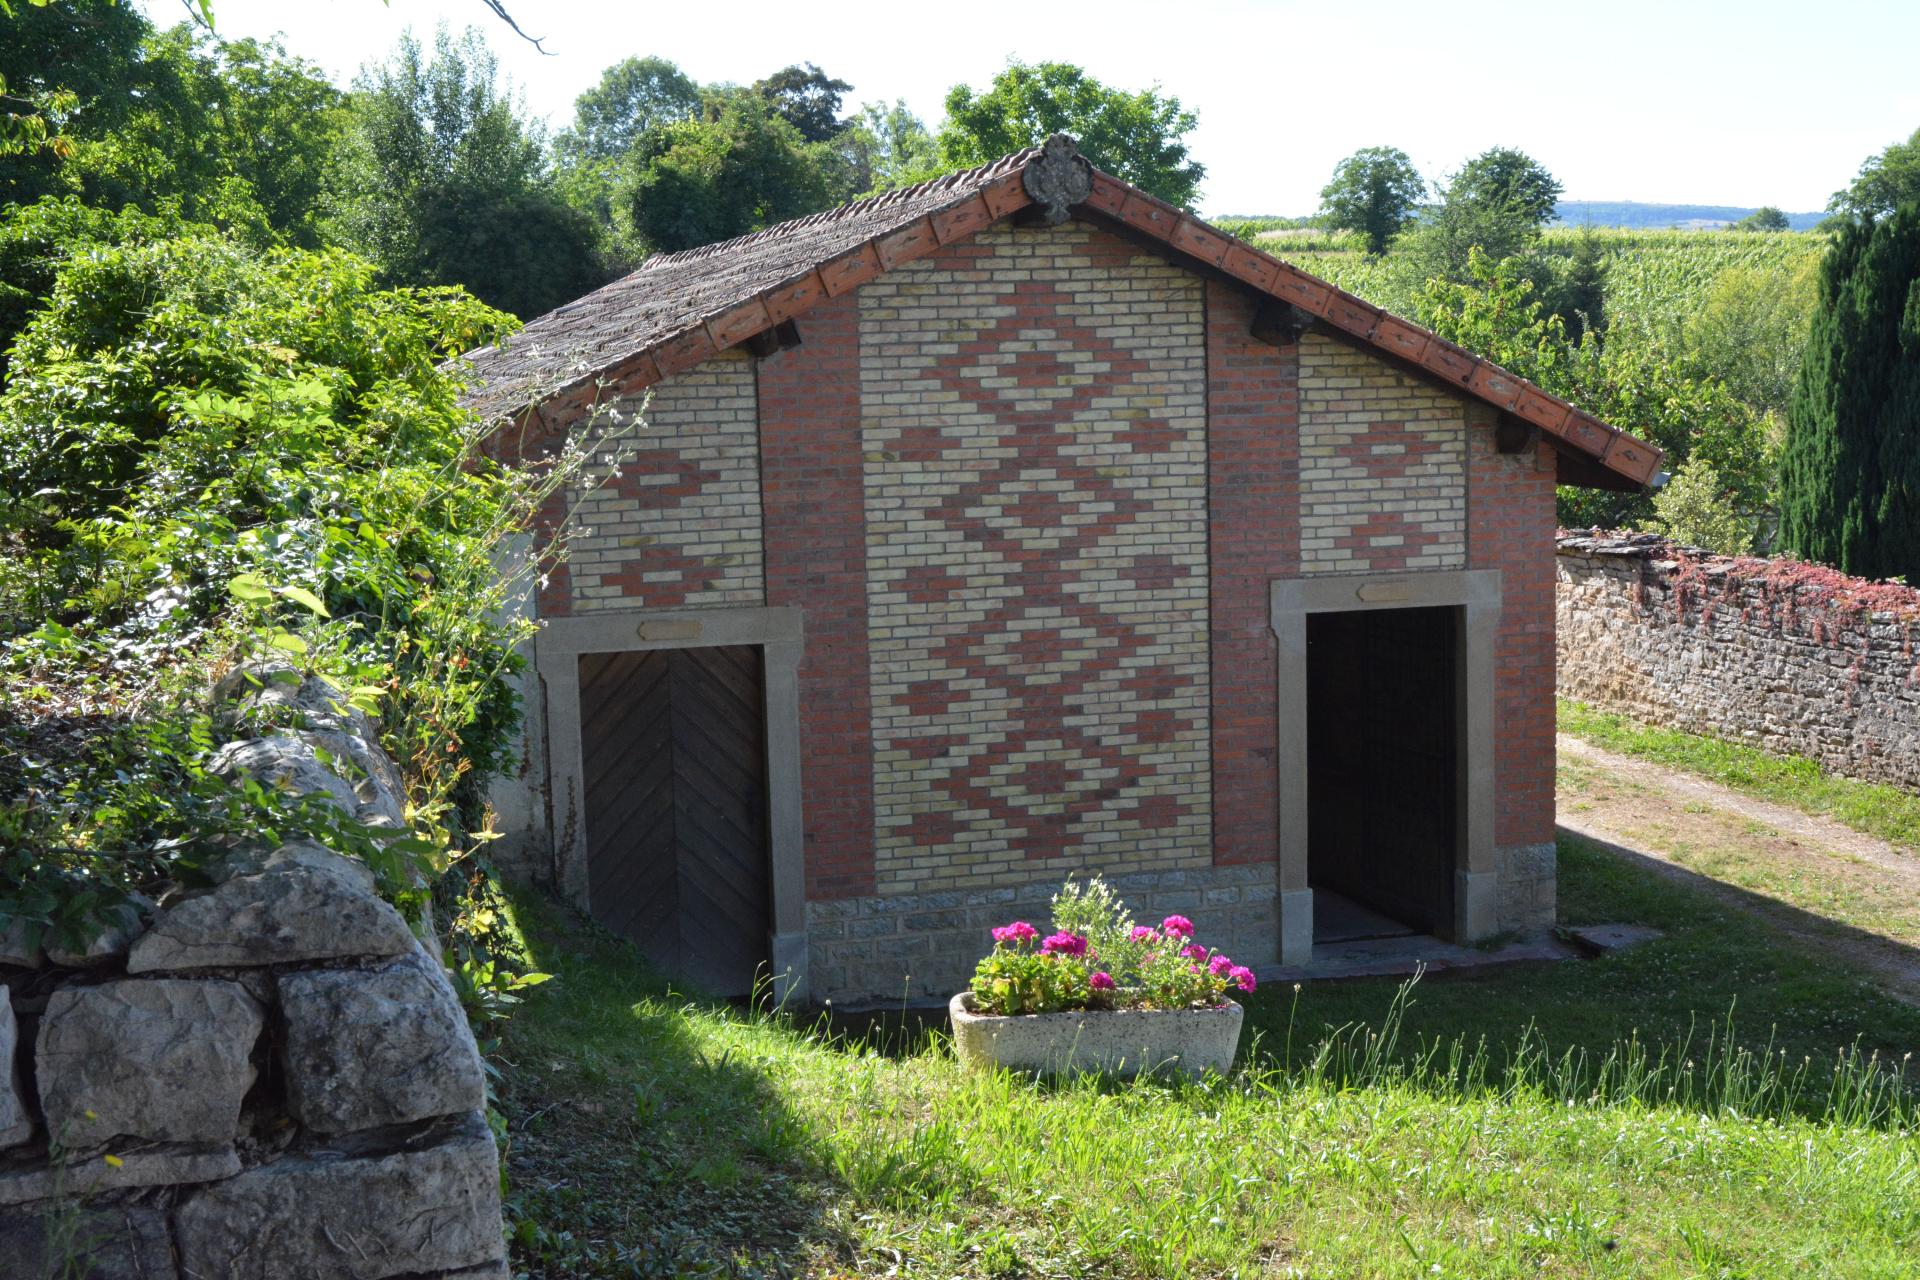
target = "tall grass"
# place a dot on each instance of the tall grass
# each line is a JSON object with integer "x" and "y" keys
{"x": 1706, "y": 1074}
{"x": 766, "y": 1141}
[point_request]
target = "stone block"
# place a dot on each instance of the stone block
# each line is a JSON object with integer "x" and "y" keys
{"x": 319, "y": 762}
{"x": 251, "y": 860}
{"x": 293, "y": 912}
{"x": 287, "y": 762}
{"x": 366, "y": 1048}
{"x": 127, "y": 1242}
{"x": 16, "y": 1126}
{"x": 333, "y": 1216}
{"x": 162, "y": 1166}
{"x": 165, "y": 1059}
{"x": 926, "y": 920}
{"x": 13, "y": 945}
{"x": 111, "y": 941}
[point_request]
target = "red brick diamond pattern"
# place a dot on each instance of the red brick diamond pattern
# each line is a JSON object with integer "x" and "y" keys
{"x": 673, "y": 517}
{"x": 1037, "y": 563}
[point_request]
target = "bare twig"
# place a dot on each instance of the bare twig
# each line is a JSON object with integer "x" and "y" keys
{"x": 500, "y": 10}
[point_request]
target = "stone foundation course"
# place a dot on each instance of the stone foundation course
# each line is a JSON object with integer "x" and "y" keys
{"x": 872, "y": 951}
{"x": 269, "y": 1077}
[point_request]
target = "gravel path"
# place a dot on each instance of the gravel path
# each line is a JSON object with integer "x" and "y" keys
{"x": 1817, "y": 879}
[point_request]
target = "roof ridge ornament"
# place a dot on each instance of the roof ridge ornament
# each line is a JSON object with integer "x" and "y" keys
{"x": 1058, "y": 178}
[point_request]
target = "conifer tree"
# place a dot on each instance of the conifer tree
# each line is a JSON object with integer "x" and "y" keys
{"x": 1850, "y": 471}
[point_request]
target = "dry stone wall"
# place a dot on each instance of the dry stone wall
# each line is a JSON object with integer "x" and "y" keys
{"x": 1785, "y": 656}
{"x": 270, "y": 1077}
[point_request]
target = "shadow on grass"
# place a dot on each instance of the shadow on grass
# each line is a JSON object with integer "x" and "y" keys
{"x": 1725, "y": 980}
{"x": 1894, "y": 963}
{"x": 645, "y": 1136}
{"x": 656, "y": 1133}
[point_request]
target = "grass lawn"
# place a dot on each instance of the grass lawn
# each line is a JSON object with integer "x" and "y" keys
{"x": 1875, "y": 808}
{"x": 654, "y": 1134}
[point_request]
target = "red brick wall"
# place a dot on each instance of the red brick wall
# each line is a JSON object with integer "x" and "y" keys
{"x": 1253, "y": 500}
{"x": 816, "y": 559}
{"x": 1510, "y": 527}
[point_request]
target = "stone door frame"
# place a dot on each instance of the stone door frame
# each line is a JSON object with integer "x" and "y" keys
{"x": 780, "y": 636}
{"x": 1475, "y": 596}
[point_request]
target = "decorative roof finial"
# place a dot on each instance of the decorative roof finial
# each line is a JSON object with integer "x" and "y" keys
{"x": 1058, "y": 178}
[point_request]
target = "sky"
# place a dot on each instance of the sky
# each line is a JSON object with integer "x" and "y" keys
{"x": 1669, "y": 101}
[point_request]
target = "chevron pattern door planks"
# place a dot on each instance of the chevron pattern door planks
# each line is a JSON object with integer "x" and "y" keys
{"x": 674, "y": 742}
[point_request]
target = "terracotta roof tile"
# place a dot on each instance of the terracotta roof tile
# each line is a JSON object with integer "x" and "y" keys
{"x": 682, "y": 308}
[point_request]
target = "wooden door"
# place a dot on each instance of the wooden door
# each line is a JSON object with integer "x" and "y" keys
{"x": 1382, "y": 761}
{"x": 674, "y": 745}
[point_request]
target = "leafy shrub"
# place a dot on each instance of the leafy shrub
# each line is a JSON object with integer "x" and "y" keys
{"x": 218, "y": 454}
{"x": 1694, "y": 509}
{"x": 1098, "y": 958}
{"x": 1643, "y": 386}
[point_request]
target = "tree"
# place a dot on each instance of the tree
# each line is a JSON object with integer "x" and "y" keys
{"x": 1374, "y": 191}
{"x": 1693, "y": 509}
{"x": 442, "y": 181}
{"x": 1510, "y": 180}
{"x": 807, "y": 98}
{"x": 1765, "y": 218}
{"x": 1751, "y": 329}
{"x": 632, "y": 97}
{"x": 86, "y": 53}
{"x": 1645, "y": 387}
{"x": 1139, "y": 137}
{"x": 1885, "y": 181}
{"x": 1578, "y": 295}
{"x": 888, "y": 147}
{"x": 236, "y": 133}
{"x": 743, "y": 168}
{"x": 260, "y": 116}
{"x": 1850, "y": 473}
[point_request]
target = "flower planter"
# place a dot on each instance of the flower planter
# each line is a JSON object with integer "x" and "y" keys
{"x": 1123, "y": 1042}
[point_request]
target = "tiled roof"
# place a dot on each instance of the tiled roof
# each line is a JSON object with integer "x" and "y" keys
{"x": 680, "y": 309}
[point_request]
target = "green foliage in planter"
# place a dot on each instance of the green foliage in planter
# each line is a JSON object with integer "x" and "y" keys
{"x": 1098, "y": 958}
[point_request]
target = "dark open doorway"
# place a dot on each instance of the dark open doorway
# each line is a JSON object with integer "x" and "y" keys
{"x": 673, "y": 744}
{"x": 1383, "y": 771}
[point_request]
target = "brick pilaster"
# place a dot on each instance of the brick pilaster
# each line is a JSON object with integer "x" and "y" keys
{"x": 1253, "y": 501}
{"x": 1510, "y": 528}
{"x": 816, "y": 558}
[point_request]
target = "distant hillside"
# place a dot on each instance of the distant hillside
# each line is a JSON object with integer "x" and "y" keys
{"x": 1632, "y": 213}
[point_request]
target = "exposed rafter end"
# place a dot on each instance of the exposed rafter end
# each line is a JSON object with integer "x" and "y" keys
{"x": 1515, "y": 435}
{"x": 779, "y": 338}
{"x": 1281, "y": 324}
{"x": 1588, "y": 473}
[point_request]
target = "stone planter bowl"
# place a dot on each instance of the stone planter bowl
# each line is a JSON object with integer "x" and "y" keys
{"x": 1125, "y": 1042}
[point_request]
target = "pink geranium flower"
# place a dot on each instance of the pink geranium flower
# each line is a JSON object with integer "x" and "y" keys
{"x": 1219, "y": 965}
{"x": 1143, "y": 934}
{"x": 1064, "y": 944}
{"x": 1194, "y": 951}
{"x": 1100, "y": 981}
{"x": 1179, "y": 926}
{"x": 1017, "y": 932}
{"x": 1242, "y": 977}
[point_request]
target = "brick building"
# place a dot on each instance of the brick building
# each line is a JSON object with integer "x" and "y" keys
{"x": 1019, "y": 524}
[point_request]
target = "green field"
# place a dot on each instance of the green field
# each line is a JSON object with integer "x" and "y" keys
{"x": 1655, "y": 280}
